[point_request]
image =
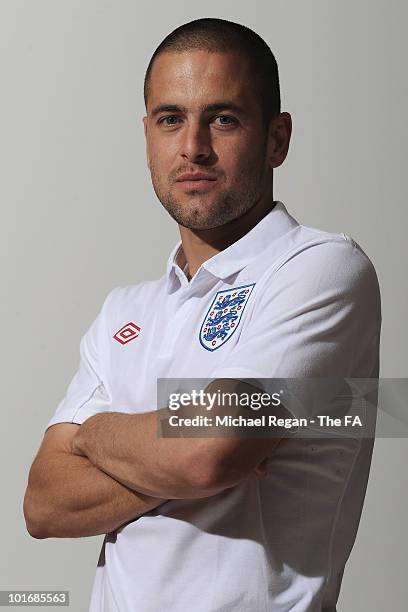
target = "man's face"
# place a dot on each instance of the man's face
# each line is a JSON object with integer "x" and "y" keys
{"x": 206, "y": 141}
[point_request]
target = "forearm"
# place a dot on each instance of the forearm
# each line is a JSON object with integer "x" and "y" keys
{"x": 68, "y": 497}
{"x": 128, "y": 447}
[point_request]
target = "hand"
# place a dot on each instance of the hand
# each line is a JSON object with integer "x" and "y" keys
{"x": 261, "y": 469}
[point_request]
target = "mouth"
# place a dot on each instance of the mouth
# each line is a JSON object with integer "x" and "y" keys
{"x": 197, "y": 185}
{"x": 197, "y": 181}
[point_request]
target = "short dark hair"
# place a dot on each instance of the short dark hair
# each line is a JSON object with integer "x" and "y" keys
{"x": 221, "y": 36}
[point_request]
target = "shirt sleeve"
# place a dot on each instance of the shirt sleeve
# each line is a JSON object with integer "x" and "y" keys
{"x": 317, "y": 316}
{"x": 87, "y": 393}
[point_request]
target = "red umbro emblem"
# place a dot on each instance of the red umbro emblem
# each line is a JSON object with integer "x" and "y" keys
{"x": 127, "y": 333}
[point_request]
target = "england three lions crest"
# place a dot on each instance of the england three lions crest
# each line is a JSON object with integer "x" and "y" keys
{"x": 223, "y": 316}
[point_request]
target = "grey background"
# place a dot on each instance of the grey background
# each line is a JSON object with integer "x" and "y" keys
{"x": 79, "y": 217}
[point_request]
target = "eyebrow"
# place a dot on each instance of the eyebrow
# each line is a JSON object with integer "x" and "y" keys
{"x": 215, "y": 107}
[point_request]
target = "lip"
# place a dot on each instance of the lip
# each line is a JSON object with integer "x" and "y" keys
{"x": 195, "y": 176}
{"x": 196, "y": 181}
{"x": 197, "y": 185}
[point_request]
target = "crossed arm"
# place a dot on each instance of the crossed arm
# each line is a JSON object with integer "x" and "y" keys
{"x": 68, "y": 497}
{"x": 91, "y": 479}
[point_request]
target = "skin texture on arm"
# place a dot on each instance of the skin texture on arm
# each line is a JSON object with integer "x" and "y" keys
{"x": 68, "y": 497}
{"x": 129, "y": 448}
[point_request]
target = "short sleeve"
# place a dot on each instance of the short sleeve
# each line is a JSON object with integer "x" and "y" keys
{"x": 317, "y": 316}
{"x": 87, "y": 393}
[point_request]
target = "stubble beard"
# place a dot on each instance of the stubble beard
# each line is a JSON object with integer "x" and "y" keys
{"x": 196, "y": 213}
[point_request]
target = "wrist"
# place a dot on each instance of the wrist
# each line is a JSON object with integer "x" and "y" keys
{"x": 81, "y": 442}
{"x": 77, "y": 443}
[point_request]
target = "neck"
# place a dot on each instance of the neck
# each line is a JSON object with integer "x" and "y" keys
{"x": 200, "y": 245}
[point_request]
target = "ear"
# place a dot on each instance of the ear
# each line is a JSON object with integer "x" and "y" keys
{"x": 147, "y": 148}
{"x": 279, "y": 133}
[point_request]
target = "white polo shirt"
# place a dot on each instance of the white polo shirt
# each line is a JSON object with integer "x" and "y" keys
{"x": 309, "y": 307}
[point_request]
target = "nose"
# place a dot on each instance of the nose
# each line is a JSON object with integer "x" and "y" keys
{"x": 196, "y": 143}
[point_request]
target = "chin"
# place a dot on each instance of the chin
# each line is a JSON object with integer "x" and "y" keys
{"x": 204, "y": 222}
{"x": 198, "y": 225}
{"x": 200, "y": 213}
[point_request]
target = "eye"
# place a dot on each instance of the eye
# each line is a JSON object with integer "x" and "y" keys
{"x": 225, "y": 120}
{"x": 169, "y": 120}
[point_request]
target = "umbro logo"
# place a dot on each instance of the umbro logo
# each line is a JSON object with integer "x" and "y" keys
{"x": 128, "y": 332}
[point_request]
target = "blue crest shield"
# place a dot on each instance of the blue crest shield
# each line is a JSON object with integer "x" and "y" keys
{"x": 223, "y": 316}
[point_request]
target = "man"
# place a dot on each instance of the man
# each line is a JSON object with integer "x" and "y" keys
{"x": 215, "y": 523}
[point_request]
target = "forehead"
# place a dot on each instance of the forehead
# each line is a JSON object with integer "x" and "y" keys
{"x": 197, "y": 76}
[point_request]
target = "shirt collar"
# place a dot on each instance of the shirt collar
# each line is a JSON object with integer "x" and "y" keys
{"x": 239, "y": 254}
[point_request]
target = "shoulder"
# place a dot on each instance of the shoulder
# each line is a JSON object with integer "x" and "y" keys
{"x": 123, "y": 305}
{"x": 132, "y": 294}
{"x": 321, "y": 256}
{"x": 320, "y": 267}
{"x": 121, "y": 297}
